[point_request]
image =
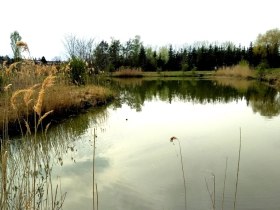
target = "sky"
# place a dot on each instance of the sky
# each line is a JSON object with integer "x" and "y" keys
{"x": 44, "y": 24}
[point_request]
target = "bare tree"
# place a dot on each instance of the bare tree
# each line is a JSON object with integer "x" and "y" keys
{"x": 79, "y": 48}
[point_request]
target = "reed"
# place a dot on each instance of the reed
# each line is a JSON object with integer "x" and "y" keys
{"x": 20, "y": 172}
{"x": 94, "y": 188}
{"x": 240, "y": 71}
{"x": 237, "y": 172}
{"x": 172, "y": 139}
{"x": 224, "y": 187}
{"x": 127, "y": 73}
{"x": 26, "y": 179}
{"x": 212, "y": 195}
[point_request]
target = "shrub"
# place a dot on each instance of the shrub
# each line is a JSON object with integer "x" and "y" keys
{"x": 261, "y": 69}
{"x": 78, "y": 71}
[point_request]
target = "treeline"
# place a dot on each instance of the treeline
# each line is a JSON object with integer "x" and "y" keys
{"x": 112, "y": 56}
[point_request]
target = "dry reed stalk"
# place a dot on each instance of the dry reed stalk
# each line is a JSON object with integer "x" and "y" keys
{"x": 14, "y": 98}
{"x": 224, "y": 188}
{"x": 27, "y": 96}
{"x": 48, "y": 82}
{"x": 39, "y": 103}
{"x": 210, "y": 194}
{"x": 182, "y": 168}
{"x": 47, "y": 128}
{"x": 237, "y": 173}
{"x": 214, "y": 187}
{"x": 4, "y": 164}
{"x": 93, "y": 165}
{"x": 96, "y": 196}
{"x": 27, "y": 127}
{"x": 43, "y": 117}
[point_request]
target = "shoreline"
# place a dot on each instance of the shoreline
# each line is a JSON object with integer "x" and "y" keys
{"x": 63, "y": 101}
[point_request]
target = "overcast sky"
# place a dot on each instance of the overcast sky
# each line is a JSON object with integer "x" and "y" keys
{"x": 43, "y": 24}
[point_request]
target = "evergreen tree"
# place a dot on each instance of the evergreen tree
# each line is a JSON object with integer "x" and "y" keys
{"x": 101, "y": 55}
{"x": 142, "y": 59}
{"x": 115, "y": 55}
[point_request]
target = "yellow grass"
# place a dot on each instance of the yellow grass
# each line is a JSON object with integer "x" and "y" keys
{"x": 75, "y": 97}
{"x": 126, "y": 72}
{"x": 242, "y": 71}
{"x": 39, "y": 89}
{"x": 59, "y": 98}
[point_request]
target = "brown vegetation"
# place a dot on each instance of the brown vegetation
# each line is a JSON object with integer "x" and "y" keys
{"x": 35, "y": 90}
{"x": 241, "y": 71}
{"x": 127, "y": 72}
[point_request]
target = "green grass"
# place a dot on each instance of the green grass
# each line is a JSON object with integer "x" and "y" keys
{"x": 178, "y": 74}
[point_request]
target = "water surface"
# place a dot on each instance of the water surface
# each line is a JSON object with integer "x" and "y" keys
{"x": 137, "y": 167}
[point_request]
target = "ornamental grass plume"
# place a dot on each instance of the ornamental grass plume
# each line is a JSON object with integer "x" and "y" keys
{"x": 27, "y": 96}
{"x": 39, "y": 103}
{"x": 14, "y": 98}
{"x": 48, "y": 82}
{"x": 22, "y": 45}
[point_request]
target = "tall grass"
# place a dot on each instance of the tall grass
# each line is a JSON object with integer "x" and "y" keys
{"x": 212, "y": 194}
{"x": 94, "y": 185}
{"x": 172, "y": 139}
{"x": 26, "y": 168}
{"x": 241, "y": 71}
{"x": 27, "y": 103}
{"x": 128, "y": 72}
{"x": 26, "y": 79}
{"x": 237, "y": 172}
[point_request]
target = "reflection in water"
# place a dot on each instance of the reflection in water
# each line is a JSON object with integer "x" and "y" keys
{"x": 29, "y": 165}
{"x": 135, "y": 166}
{"x": 263, "y": 99}
{"x": 26, "y": 175}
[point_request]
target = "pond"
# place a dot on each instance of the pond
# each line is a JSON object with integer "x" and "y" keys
{"x": 226, "y": 151}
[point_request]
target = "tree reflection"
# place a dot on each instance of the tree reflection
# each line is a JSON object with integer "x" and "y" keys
{"x": 263, "y": 99}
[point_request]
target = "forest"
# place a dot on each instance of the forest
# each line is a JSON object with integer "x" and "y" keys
{"x": 113, "y": 55}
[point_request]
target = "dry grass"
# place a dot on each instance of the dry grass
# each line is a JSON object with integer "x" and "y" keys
{"x": 38, "y": 89}
{"x": 26, "y": 73}
{"x": 75, "y": 98}
{"x": 126, "y": 72}
{"x": 33, "y": 94}
{"x": 61, "y": 99}
{"x": 241, "y": 71}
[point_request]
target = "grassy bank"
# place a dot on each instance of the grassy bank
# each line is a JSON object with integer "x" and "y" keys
{"x": 31, "y": 98}
{"x": 138, "y": 73}
{"x": 26, "y": 85}
{"x": 241, "y": 71}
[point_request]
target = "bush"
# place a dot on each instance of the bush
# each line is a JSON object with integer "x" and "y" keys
{"x": 78, "y": 71}
{"x": 261, "y": 69}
